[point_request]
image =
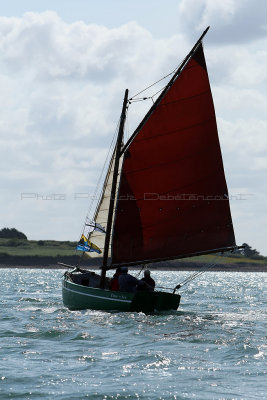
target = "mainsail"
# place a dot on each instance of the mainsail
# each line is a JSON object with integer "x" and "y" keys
{"x": 173, "y": 198}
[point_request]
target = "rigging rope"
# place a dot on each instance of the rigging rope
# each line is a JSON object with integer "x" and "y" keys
{"x": 111, "y": 147}
{"x": 96, "y": 193}
{"x": 153, "y": 84}
{"x": 143, "y": 266}
{"x": 133, "y": 99}
{"x": 126, "y": 130}
{"x": 199, "y": 272}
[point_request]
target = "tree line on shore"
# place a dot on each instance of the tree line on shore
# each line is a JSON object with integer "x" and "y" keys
{"x": 247, "y": 251}
{"x": 7, "y": 233}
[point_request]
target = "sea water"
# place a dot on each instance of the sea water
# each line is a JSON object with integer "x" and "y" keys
{"x": 213, "y": 347}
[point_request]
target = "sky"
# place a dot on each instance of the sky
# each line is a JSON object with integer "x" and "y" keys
{"x": 64, "y": 67}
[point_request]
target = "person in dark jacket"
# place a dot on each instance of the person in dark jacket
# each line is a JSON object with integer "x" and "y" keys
{"x": 127, "y": 282}
{"x": 148, "y": 280}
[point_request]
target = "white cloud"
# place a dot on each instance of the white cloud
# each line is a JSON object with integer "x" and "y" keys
{"x": 232, "y": 21}
{"x": 221, "y": 12}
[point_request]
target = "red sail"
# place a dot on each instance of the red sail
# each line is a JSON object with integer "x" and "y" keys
{"x": 173, "y": 194}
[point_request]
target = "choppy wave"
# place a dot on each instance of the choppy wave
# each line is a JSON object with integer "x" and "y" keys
{"x": 213, "y": 347}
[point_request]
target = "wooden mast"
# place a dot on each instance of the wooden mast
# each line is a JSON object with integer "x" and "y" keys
{"x": 113, "y": 189}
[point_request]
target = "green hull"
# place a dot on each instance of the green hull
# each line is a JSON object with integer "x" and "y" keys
{"x": 79, "y": 297}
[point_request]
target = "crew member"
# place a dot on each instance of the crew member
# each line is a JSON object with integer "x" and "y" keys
{"x": 148, "y": 280}
{"x": 127, "y": 282}
{"x": 114, "y": 284}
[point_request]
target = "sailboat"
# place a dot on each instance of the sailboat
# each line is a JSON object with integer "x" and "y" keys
{"x": 164, "y": 197}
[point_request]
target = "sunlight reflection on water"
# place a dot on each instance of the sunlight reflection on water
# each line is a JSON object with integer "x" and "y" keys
{"x": 215, "y": 339}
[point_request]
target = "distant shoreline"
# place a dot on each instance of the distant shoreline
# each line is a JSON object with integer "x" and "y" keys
{"x": 32, "y": 254}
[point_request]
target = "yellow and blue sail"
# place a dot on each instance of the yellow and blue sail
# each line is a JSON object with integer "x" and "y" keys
{"x": 85, "y": 245}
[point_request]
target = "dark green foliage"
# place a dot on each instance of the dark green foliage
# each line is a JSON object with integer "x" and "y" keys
{"x": 12, "y": 234}
{"x": 41, "y": 243}
{"x": 248, "y": 252}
